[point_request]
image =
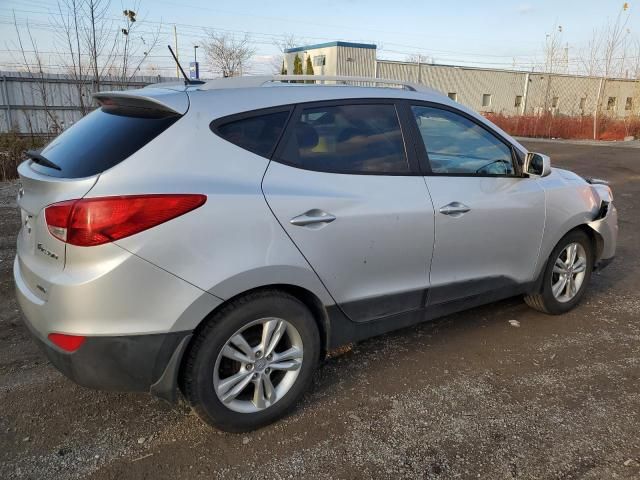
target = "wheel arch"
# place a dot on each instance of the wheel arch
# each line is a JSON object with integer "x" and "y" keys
{"x": 308, "y": 298}
{"x": 596, "y": 241}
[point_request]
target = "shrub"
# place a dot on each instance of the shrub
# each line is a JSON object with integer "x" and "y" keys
{"x": 549, "y": 126}
{"x": 12, "y": 148}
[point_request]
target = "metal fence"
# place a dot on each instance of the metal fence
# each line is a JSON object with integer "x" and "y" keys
{"x": 521, "y": 93}
{"x": 33, "y": 104}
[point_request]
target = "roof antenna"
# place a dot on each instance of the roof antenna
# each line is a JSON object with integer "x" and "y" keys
{"x": 187, "y": 80}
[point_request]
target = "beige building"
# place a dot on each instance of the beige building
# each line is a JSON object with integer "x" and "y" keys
{"x": 508, "y": 92}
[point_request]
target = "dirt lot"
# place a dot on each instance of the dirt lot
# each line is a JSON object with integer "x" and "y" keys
{"x": 469, "y": 396}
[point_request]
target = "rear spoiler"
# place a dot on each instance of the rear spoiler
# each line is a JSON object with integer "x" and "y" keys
{"x": 151, "y": 102}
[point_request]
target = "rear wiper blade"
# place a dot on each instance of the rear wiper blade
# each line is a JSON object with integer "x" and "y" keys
{"x": 38, "y": 158}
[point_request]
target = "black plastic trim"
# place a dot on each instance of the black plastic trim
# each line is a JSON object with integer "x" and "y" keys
{"x": 344, "y": 331}
{"x": 382, "y": 306}
{"x": 166, "y": 387}
{"x": 603, "y": 263}
{"x": 469, "y": 288}
{"x": 122, "y": 363}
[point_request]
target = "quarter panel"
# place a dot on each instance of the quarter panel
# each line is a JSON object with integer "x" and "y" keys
{"x": 133, "y": 298}
{"x": 226, "y": 245}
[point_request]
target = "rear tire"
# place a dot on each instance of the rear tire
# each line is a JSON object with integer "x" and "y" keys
{"x": 252, "y": 361}
{"x": 566, "y": 275}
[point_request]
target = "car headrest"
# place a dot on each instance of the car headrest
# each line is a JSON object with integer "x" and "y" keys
{"x": 306, "y": 135}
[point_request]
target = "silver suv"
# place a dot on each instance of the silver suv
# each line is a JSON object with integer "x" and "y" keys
{"x": 219, "y": 239}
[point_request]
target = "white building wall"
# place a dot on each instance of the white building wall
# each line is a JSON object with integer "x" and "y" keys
{"x": 470, "y": 84}
{"x": 331, "y": 60}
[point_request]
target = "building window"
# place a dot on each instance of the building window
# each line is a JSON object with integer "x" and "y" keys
{"x": 453, "y": 96}
{"x": 583, "y": 102}
{"x": 554, "y": 102}
{"x": 486, "y": 99}
{"x": 319, "y": 61}
{"x": 611, "y": 103}
{"x": 518, "y": 101}
{"x": 629, "y": 104}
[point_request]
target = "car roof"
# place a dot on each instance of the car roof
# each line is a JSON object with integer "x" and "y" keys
{"x": 228, "y": 96}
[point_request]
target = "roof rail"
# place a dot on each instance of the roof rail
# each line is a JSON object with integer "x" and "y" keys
{"x": 259, "y": 81}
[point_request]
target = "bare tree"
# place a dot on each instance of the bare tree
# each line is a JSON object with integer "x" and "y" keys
{"x": 37, "y": 71}
{"x": 91, "y": 45}
{"x": 227, "y": 55}
{"x": 607, "y": 57}
{"x": 553, "y": 59}
{"x": 287, "y": 41}
{"x": 68, "y": 25}
{"x": 134, "y": 44}
{"x": 418, "y": 58}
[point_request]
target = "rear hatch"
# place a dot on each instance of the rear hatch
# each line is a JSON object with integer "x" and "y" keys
{"x": 69, "y": 166}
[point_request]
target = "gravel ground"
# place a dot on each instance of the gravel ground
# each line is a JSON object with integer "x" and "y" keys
{"x": 468, "y": 396}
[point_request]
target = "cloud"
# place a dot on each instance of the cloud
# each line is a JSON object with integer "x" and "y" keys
{"x": 525, "y": 8}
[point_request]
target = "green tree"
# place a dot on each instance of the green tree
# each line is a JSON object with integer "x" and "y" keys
{"x": 283, "y": 70}
{"x": 309, "y": 69}
{"x": 297, "y": 65}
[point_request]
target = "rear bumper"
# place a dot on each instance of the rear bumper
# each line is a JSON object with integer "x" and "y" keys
{"x": 137, "y": 320}
{"x": 132, "y": 363}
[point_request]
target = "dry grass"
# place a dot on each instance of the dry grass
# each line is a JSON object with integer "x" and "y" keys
{"x": 549, "y": 126}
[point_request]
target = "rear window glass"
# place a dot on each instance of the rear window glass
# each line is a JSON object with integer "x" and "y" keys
{"x": 100, "y": 141}
{"x": 347, "y": 139}
{"x": 258, "y": 134}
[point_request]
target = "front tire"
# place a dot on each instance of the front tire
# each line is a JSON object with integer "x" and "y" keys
{"x": 252, "y": 361}
{"x": 566, "y": 275}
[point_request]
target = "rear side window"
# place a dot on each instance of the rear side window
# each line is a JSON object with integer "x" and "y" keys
{"x": 258, "y": 134}
{"x": 347, "y": 139}
{"x": 100, "y": 141}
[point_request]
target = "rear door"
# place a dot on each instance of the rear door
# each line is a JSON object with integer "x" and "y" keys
{"x": 349, "y": 194}
{"x": 71, "y": 166}
{"x": 489, "y": 220}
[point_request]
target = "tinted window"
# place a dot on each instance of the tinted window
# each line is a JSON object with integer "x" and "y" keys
{"x": 347, "y": 139}
{"x": 257, "y": 134}
{"x": 100, "y": 141}
{"x": 455, "y": 144}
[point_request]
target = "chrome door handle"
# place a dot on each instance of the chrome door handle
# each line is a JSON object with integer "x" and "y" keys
{"x": 454, "y": 209}
{"x": 312, "y": 217}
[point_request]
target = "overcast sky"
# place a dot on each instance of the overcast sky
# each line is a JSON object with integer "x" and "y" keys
{"x": 480, "y": 33}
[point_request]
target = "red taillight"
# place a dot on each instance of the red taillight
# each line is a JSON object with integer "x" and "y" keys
{"x": 94, "y": 221}
{"x": 68, "y": 343}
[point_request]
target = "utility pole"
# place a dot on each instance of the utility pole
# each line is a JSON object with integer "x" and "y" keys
{"x": 175, "y": 40}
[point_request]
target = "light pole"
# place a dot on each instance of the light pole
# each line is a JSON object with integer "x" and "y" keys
{"x": 194, "y": 68}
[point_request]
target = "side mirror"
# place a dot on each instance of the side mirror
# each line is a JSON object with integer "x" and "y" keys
{"x": 537, "y": 164}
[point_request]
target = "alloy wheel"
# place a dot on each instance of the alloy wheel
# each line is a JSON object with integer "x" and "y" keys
{"x": 568, "y": 272}
{"x": 258, "y": 365}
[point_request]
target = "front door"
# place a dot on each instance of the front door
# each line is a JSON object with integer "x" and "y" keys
{"x": 343, "y": 189}
{"x": 489, "y": 220}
